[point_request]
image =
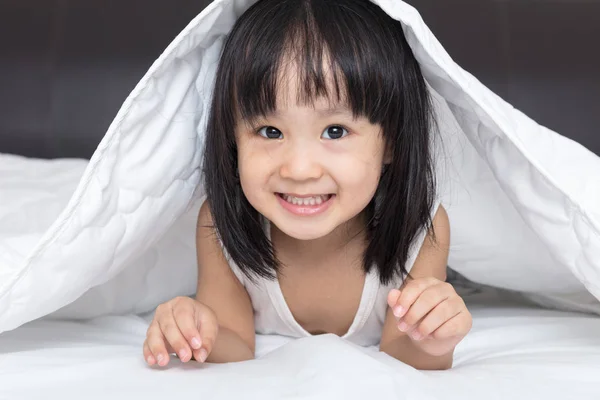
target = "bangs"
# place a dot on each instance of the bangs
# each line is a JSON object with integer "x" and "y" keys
{"x": 328, "y": 47}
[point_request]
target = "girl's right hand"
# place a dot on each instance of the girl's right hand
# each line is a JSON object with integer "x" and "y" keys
{"x": 184, "y": 326}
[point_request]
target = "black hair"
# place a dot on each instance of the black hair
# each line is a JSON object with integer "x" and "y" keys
{"x": 374, "y": 69}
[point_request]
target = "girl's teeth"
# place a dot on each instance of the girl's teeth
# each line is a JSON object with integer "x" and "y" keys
{"x": 308, "y": 201}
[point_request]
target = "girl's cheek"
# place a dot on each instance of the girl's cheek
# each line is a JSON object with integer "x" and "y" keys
{"x": 354, "y": 167}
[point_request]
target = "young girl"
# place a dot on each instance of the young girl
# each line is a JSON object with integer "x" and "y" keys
{"x": 320, "y": 194}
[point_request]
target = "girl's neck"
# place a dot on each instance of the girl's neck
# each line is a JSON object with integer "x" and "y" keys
{"x": 347, "y": 241}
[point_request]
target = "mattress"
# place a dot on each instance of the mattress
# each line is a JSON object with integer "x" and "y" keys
{"x": 515, "y": 351}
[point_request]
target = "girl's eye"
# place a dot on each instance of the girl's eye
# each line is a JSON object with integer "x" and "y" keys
{"x": 270, "y": 133}
{"x": 335, "y": 132}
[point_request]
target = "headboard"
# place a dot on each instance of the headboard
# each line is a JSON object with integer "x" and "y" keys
{"x": 66, "y": 66}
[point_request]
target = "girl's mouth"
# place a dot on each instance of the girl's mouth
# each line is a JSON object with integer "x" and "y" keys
{"x": 305, "y": 200}
{"x": 305, "y": 205}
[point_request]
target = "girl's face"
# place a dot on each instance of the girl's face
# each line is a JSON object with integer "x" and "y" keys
{"x": 309, "y": 170}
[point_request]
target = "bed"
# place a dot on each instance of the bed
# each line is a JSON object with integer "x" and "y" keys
{"x": 81, "y": 271}
{"x": 514, "y": 351}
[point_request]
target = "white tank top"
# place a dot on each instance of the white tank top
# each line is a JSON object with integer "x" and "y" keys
{"x": 273, "y": 316}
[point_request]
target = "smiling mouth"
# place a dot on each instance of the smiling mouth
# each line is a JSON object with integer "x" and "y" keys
{"x": 314, "y": 200}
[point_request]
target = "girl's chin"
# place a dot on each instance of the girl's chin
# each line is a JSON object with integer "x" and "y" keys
{"x": 303, "y": 231}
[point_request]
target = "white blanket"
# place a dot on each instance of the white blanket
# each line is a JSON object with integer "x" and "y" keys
{"x": 523, "y": 201}
{"x": 514, "y": 352}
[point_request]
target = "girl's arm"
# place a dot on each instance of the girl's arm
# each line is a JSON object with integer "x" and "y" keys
{"x": 426, "y": 318}
{"x": 220, "y": 290}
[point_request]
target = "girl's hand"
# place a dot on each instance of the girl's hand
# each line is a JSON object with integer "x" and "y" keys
{"x": 184, "y": 326}
{"x": 432, "y": 314}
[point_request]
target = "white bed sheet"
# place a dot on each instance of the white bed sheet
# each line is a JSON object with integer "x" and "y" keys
{"x": 513, "y": 352}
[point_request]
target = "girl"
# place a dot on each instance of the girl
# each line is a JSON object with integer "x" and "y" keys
{"x": 320, "y": 194}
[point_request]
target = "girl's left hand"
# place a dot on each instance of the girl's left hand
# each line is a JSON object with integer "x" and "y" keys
{"x": 431, "y": 312}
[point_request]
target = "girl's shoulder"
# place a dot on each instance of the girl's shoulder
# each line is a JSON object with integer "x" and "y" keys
{"x": 430, "y": 253}
{"x": 205, "y": 221}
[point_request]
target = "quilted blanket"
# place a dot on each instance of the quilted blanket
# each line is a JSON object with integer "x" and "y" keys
{"x": 524, "y": 201}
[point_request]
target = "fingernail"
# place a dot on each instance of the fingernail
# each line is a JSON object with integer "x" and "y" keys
{"x": 203, "y": 355}
{"x": 398, "y": 311}
{"x": 183, "y": 354}
{"x": 160, "y": 359}
{"x": 150, "y": 360}
{"x": 196, "y": 344}
{"x": 403, "y": 326}
{"x": 416, "y": 335}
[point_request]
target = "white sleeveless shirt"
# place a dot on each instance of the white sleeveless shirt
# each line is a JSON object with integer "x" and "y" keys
{"x": 272, "y": 315}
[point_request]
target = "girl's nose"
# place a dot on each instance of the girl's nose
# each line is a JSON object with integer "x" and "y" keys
{"x": 300, "y": 163}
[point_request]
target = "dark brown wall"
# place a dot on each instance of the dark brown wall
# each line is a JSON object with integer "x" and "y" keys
{"x": 542, "y": 56}
{"x": 66, "y": 66}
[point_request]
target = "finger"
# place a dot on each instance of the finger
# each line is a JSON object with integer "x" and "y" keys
{"x": 148, "y": 354}
{"x": 443, "y": 312}
{"x": 173, "y": 336}
{"x": 393, "y": 297}
{"x": 426, "y": 302}
{"x": 208, "y": 332}
{"x": 156, "y": 343}
{"x": 457, "y": 326}
{"x": 184, "y": 318}
{"x": 409, "y": 294}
